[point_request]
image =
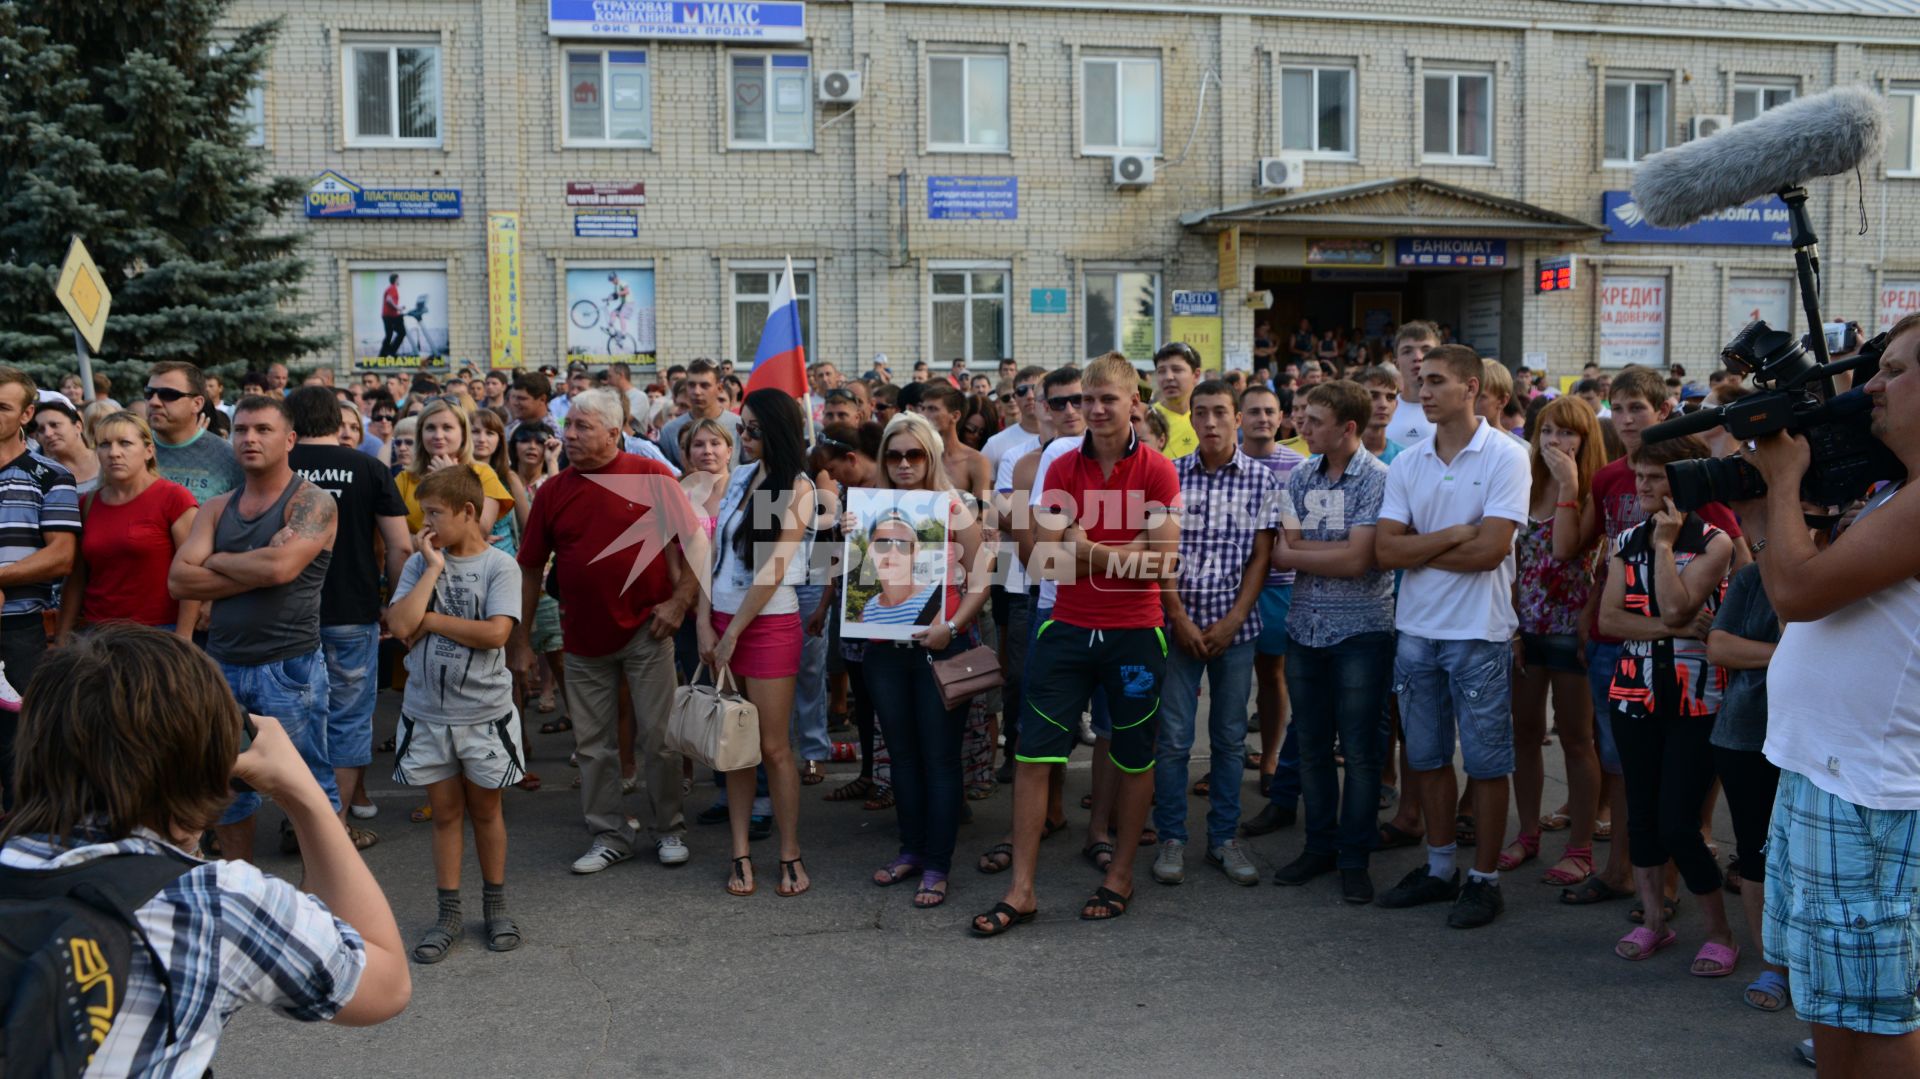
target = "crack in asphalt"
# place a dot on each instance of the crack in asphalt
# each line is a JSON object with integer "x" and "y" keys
{"x": 606, "y": 1000}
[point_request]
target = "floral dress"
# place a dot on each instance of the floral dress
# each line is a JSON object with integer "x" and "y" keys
{"x": 1550, "y": 594}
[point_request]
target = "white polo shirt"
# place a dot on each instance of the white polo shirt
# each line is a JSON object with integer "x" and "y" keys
{"x": 1409, "y": 423}
{"x": 1491, "y": 477}
{"x": 997, "y": 447}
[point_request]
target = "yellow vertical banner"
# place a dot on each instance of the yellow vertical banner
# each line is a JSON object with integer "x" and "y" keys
{"x": 1203, "y": 333}
{"x": 503, "y": 288}
{"x": 1229, "y": 259}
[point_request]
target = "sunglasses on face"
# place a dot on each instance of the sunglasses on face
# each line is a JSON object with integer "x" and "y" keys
{"x": 890, "y": 546}
{"x": 912, "y": 457}
{"x": 1024, "y": 391}
{"x": 750, "y": 430}
{"x": 384, "y": 417}
{"x": 1006, "y": 398}
{"x": 165, "y": 394}
{"x": 1061, "y": 404}
{"x": 403, "y": 441}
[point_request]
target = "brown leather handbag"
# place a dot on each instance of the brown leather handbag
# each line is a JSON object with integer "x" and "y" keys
{"x": 961, "y": 677}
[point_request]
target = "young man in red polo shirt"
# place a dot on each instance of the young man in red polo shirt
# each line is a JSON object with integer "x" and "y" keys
{"x": 1108, "y": 533}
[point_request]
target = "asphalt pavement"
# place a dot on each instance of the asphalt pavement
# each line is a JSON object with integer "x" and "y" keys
{"x": 643, "y": 970}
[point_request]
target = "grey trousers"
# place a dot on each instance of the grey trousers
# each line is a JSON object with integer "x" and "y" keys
{"x": 593, "y": 703}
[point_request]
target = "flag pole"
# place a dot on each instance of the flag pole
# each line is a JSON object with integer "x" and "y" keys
{"x": 806, "y": 398}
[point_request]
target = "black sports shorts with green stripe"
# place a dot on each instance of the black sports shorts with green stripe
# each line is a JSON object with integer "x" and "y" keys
{"x": 1069, "y": 662}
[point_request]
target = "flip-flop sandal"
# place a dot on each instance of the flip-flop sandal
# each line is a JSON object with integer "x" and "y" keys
{"x": 1770, "y": 983}
{"x": 1638, "y": 913}
{"x": 434, "y": 945}
{"x": 999, "y": 920}
{"x": 1555, "y": 822}
{"x": 1105, "y": 899}
{"x": 746, "y": 887}
{"x": 558, "y": 726}
{"x": 1392, "y": 835}
{"x": 812, "y": 774}
{"x": 849, "y": 791}
{"x": 895, "y": 871}
{"x": 421, "y": 815}
{"x": 990, "y": 860}
{"x": 931, "y": 884}
{"x": 1644, "y": 944}
{"x": 1593, "y": 890}
{"x": 529, "y": 782}
{"x": 503, "y": 934}
{"x": 1093, "y": 852}
{"x": 1723, "y": 958}
{"x": 789, "y": 884}
{"x": 1603, "y": 831}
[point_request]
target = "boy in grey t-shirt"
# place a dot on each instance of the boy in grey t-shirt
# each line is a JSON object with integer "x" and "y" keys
{"x": 459, "y": 737}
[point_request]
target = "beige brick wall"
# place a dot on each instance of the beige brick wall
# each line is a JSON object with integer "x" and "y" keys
{"x": 839, "y": 203}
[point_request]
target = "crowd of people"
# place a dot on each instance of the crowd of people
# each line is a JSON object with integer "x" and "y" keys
{"x": 1367, "y": 556}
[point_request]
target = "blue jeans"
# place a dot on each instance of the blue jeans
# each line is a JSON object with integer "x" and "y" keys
{"x": 351, "y": 652}
{"x": 924, "y": 736}
{"x": 1601, "y": 659}
{"x": 1229, "y": 680}
{"x": 1341, "y": 690}
{"x": 809, "y": 723}
{"x": 293, "y": 691}
{"x": 1475, "y": 677}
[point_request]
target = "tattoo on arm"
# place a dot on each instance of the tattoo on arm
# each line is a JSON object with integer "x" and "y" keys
{"x": 311, "y": 513}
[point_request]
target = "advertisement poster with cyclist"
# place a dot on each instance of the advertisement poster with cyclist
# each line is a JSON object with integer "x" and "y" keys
{"x": 610, "y": 315}
{"x": 399, "y": 318}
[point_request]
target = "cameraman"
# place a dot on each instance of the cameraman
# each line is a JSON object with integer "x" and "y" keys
{"x": 1843, "y": 872}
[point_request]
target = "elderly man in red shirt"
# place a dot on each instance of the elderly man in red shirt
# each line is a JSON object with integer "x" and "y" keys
{"x": 618, "y": 617}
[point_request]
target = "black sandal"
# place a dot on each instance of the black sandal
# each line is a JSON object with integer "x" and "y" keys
{"x": 857, "y": 788}
{"x": 932, "y": 884}
{"x": 503, "y": 934}
{"x": 1590, "y": 891}
{"x": 1051, "y": 829}
{"x": 1001, "y": 918}
{"x": 1092, "y": 852}
{"x": 558, "y": 726}
{"x": 991, "y": 860}
{"x": 1203, "y": 787}
{"x": 1105, "y": 899}
{"x": 789, "y": 884}
{"x": 1392, "y": 835}
{"x": 1465, "y": 832}
{"x": 1637, "y": 914}
{"x": 750, "y": 886}
{"x": 434, "y": 945}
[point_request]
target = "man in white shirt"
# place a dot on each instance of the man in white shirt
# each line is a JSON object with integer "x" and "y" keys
{"x": 1843, "y": 725}
{"x": 1452, "y": 505}
{"x": 1007, "y": 443}
{"x": 1410, "y": 423}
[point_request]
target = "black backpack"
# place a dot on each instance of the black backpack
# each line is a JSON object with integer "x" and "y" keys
{"x": 66, "y": 951}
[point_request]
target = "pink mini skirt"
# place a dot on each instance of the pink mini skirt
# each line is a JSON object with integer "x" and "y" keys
{"x": 770, "y": 647}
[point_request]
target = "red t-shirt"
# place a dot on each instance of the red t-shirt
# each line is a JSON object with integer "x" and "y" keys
{"x": 128, "y": 549}
{"x": 390, "y": 302}
{"x": 1620, "y": 510}
{"x": 577, "y": 520}
{"x": 1113, "y": 510}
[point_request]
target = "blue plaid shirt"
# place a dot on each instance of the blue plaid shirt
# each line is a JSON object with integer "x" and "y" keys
{"x": 1221, "y": 512}
{"x": 1328, "y": 610}
{"x": 230, "y": 936}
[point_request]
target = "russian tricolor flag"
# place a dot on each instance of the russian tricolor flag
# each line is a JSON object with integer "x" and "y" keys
{"x": 780, "y": 363}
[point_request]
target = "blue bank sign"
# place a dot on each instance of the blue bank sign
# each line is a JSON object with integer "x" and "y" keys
{"x": 333, "y": 195}
{"x": 774, "y": 20}
{"x": 1760, "y": 223}
{"x": 1449, "y": 253}
{"x": 973, "y": 198}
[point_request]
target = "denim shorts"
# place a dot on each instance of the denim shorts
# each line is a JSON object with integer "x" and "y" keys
{"x": 1601, "y": 659}
{"x": 352, "y": 653}
{"x": 1843, "y": 912}
{"x": 1276, "y": 600}
{"x": 293, "y": 691}
{"x": 1553, "y": 652}
{"x": 1476, "y": 677}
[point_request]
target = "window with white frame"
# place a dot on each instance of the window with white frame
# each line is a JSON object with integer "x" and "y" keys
{"x": 393, "y": 94}
{"x": 1123, "y": 313}
{"x": 967, "y": 102}
{"x": 1457, "y": 120}
{"x": 754, "y": 284}
{"x": 1750, "y": 100}
{"x": 609, "y": 98}
{"x": 1903, "y": 132}
{"x": 1636, "y": 119}
{"x": 772, "y": 101}
{"x": 970, "y": 307}
{"x": 1317, "y": 110}
{"x": 1120, "y": 105}
{"x": 251, "y": 112}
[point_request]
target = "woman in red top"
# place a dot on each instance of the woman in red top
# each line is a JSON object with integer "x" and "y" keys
{"x": 132, "y": 525}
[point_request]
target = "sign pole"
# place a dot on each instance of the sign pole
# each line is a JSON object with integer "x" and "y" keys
{"x": 86, "y": 367}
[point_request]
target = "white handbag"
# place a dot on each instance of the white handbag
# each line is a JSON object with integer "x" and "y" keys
{"x": 714, "y": 724}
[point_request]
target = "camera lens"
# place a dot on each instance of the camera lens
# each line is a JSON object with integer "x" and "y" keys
{"x": 1713, "y": 479}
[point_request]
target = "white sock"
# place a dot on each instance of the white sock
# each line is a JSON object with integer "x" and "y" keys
{"x": 1490, "y": 878}
{"x": 1440, "y": 860}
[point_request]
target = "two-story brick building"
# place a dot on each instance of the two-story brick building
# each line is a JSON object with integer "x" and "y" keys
{"x": 1039, "y": 178}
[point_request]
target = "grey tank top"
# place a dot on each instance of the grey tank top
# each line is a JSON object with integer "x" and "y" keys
{"x": 265, "y": 625}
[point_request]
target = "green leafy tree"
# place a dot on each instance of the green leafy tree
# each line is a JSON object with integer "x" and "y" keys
{"x": 121, "y": 124}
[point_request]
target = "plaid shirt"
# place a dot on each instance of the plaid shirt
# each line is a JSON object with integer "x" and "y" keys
{"x": 1222, "y": 511}
{"x": 230, "y": 936}
{"x": 1328, "y": 610}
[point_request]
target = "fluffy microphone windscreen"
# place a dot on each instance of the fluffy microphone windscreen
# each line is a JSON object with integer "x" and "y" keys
{"x": 1821, "y": 135}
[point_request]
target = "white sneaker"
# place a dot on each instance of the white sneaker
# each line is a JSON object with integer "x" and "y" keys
{"x": 671, "y": 850}
{"x": 364, "y": 812}
{"x": 1805, "y": 1049}
{"x": 1087, "y": 736}
{"x": 9, "y": 697}
{"x": 598, "y": 857}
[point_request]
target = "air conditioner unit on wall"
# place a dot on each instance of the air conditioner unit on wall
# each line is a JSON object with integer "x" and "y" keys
{"x": 1132, "y": 170}
{"x": 840, "y": 87}
{"x": 1281, "y": 174}
{"x": 1699, "y": 127}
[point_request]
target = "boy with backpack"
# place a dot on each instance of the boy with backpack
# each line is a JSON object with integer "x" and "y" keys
{"x": 121, "y": 953}
{"x": 459, "y": 737}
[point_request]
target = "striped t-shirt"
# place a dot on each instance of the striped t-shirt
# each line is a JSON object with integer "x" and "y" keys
{"x": 36, "y": 497}
{"x": 906, "y": 614}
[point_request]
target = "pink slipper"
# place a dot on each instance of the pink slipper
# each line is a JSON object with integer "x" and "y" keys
{"x": 1644, "y": 943}
{"x": 1720, "y": 955}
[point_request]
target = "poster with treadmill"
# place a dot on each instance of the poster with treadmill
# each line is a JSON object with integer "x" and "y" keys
{"x": 399, "y": 318}
{"x": 610, "y": 315}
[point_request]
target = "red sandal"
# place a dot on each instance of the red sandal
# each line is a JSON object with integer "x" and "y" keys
{"x": 1582, "y": 860}
{"x": 1529, "y": 850}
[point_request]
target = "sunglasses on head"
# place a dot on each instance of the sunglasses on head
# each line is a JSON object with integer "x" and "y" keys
{"x": 165, "y": 393}
{"x": 835, "y": 445}
{"x": 1062, "y": 403}
{"x": 912, "y": 456}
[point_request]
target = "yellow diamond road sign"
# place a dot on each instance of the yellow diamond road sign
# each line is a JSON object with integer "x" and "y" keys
{"x": 84, "y": 294}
